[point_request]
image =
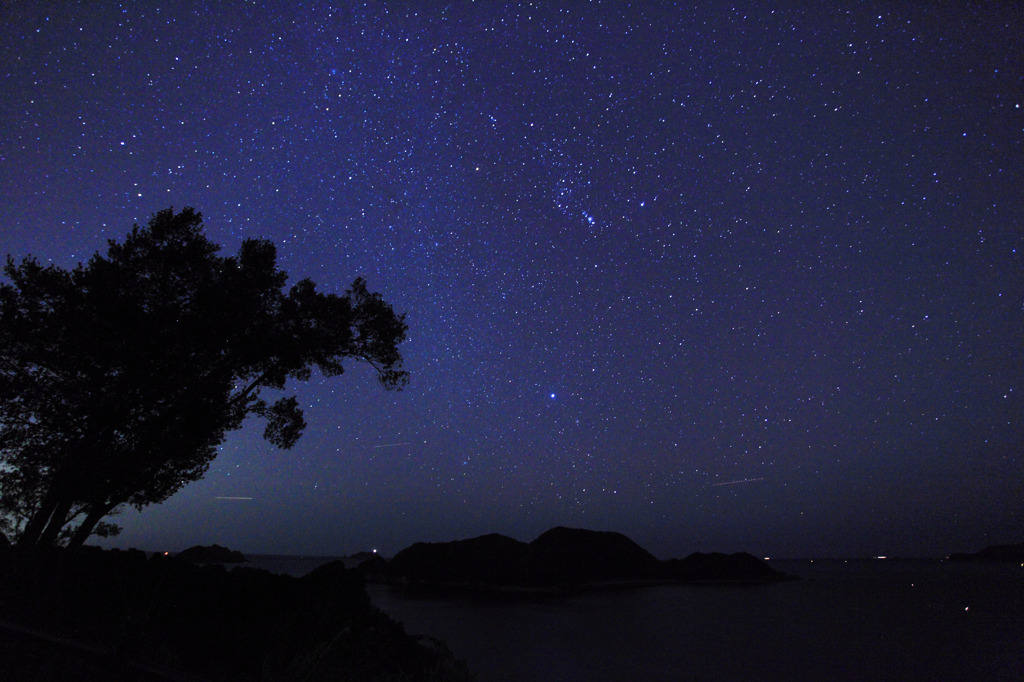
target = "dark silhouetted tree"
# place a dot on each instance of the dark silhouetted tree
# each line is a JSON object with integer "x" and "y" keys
{"x": 119, "y": 378}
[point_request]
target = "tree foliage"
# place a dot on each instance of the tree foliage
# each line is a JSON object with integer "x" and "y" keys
{"x": 120, "y": 377}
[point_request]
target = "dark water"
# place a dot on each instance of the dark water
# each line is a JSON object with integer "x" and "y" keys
{"x": 288, "y": 564}
{"x": 856, "y": 620}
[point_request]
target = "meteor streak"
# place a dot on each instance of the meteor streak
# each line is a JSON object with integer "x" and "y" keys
{"x": 391, "y": 445}
{"x": 225, "y": 497}
{"x": 742, "y": 480}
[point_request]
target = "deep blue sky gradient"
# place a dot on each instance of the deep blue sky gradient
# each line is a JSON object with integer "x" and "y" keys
{"x": 720, "y": 278}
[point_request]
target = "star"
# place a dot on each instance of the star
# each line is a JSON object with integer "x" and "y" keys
{"x": 741, "y": 280}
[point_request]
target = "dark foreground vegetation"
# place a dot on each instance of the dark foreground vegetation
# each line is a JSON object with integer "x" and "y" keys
{"x": 120, "y": 615}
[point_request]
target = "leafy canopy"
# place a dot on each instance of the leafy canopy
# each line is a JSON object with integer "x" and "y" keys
{"x": 119, "y": 378}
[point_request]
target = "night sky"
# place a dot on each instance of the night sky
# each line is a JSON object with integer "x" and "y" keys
{"x": 716, "y": 277}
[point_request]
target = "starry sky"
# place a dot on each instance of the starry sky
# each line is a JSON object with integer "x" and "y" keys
{"x": 717, "y": 276}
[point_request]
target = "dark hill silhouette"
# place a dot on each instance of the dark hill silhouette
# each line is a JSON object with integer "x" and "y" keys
{"x": 489, "y": 559}
{"x": 211, "y": 554}
{"x": 718, "y": 566}
{"x": 358, "y": 558}
{"x": 375, "y": 569}
{"x": 559, "y": 558}
{"x": 574, "y": 555}
{"x": 994, "y": 553}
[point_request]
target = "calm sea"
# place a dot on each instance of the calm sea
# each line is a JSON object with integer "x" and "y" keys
{"x": 845, "y": 620}
{"x": 288, "y": 564}
{"x": 855, "y": 620}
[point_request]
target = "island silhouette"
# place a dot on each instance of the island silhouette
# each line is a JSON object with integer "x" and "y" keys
{"x": 993, "y": 553}
{"x": 211, "y": 554}
{"x": 559, "y": 558}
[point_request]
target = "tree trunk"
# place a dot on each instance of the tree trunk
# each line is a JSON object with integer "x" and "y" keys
{"x": 59, "y": 518}
{"x": 37, "y": 524}
{"x": 94, "y": 516}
